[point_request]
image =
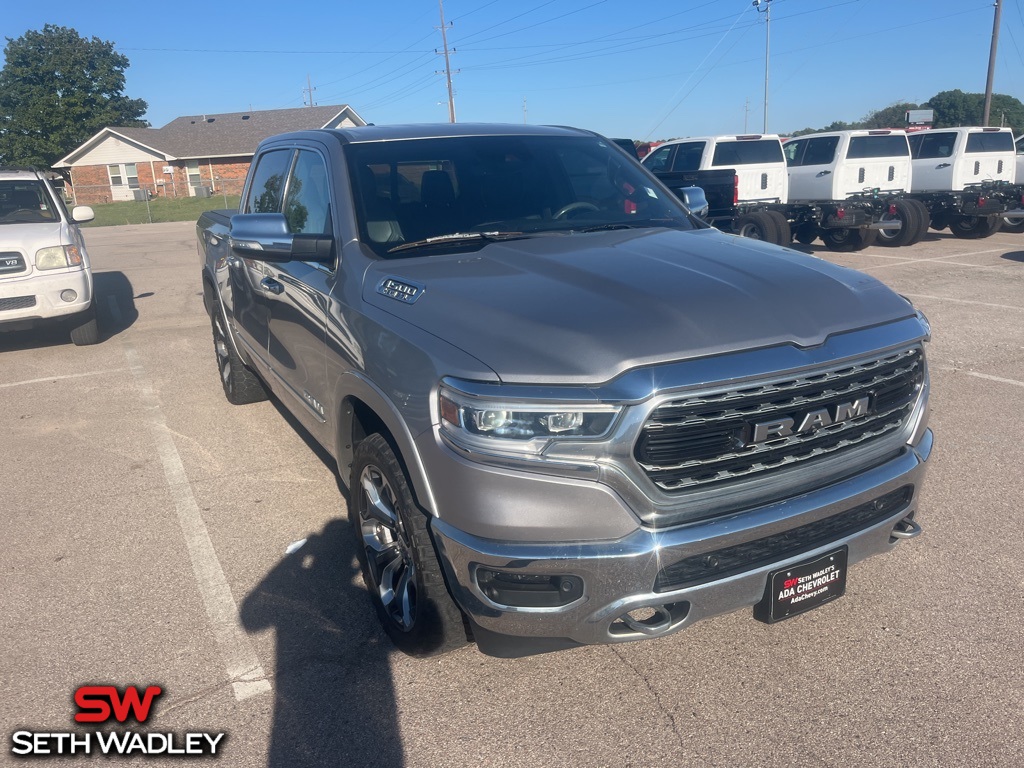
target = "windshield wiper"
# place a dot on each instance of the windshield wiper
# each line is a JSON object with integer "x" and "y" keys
{"x": 645, "y": 224}
{"x": 459, "y": 238}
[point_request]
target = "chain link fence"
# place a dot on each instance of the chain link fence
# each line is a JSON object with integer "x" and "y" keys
{"x": 148, "y": 203}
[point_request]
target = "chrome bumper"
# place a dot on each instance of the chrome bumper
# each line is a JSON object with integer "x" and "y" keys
{"x": 619, "y": 576}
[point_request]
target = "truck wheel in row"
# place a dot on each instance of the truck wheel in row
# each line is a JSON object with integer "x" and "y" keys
{"x": 846, "y": 240}
{"x": 84, "y": 328}
{"x": 241, "y": 385}
{"x": 400, "y": 567}
{"x": 924, "y": 217}
{"x": 782, "y": 227}
{"x": 759, "y": 225}
{"x": 1013, "y": 225}
{"x": 974, "y": 227}
{"x": 910, "y": 223}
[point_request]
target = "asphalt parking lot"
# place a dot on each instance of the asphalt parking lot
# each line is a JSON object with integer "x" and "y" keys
{"x": 146, "y": 523}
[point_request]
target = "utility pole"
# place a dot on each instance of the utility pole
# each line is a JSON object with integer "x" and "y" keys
{"x": 746, "y": 113}
{"x": 992, "y": 63}
{"x": 767, "y": 47}
{"x": 524, "y": 110}
{"x": 447, "y": 64}
{"x": 308, "y": 89}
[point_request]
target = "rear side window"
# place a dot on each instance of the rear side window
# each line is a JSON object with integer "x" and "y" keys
{"x": 990, "y": 142}
{"x": 820, "y": 151}
{"x": 268, "y": 182}
{"x": 758, "y": 152}
{"x": 863, "y": 147}
{"x": 929, "y": 146}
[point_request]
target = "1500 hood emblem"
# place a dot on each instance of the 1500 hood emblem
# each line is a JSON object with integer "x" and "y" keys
{"x": 812, "y": 420}
{"x": 405, "y": 291}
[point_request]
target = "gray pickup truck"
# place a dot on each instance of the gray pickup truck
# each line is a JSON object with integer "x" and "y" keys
{"x": 567, "y": 411}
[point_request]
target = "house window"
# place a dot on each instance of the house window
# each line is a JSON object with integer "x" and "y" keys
{"x": 116, "y": 177}
{"x": 192, "y": 169}
{"x": 123, "y": 174}
{"x": 132, "y": 174}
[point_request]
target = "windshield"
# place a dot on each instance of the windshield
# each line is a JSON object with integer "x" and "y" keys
{"x": 25, "y": 202}
{"x": 891, "y": 145}
{"x": 761, "y": 152}
{"x": 409, "y": 191}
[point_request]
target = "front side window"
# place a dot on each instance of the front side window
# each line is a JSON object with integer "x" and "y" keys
{"x": 793, "y": 150}
{"x": 932, "y": 145}
{"x": 308, "y": 207}
{"x": 688, "y": 156}
{"x": 268, "y": 182}
{"x": 658, "y": 159}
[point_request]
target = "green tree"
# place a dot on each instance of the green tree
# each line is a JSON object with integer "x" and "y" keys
{"x": 893, "y": 116}
{"x": 956, "y": 108}
{"x": 57, "y": 89}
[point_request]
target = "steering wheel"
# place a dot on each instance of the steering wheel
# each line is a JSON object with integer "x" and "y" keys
{"x": 22, "y": 214}
{"x": 565, "y": 210}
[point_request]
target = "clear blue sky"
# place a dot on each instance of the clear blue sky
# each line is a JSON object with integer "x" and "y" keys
{"x": 631, "y": 69}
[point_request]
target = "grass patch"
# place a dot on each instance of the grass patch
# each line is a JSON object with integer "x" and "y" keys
{"x": 159, "y": 209}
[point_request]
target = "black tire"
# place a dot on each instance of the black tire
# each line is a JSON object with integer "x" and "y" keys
{"x": 84, "y": 327}
{"x": 940, "y": 221}
{"x": 241, "y": 385}
{"x": 782, "y": 227}
{"x": 1013, "y": 226}
{"x": 400, "y": 567}
{"x": 910, "y": 222}
{"x": 806, "y": 234}
{"x": 974, "y": 227}
{"x": 758, "y": 225}
{"x": 924, "y": 217}
{"x": 847, "y": 240}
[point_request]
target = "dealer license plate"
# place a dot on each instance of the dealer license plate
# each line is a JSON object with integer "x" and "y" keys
{"x": 801, "y": 587}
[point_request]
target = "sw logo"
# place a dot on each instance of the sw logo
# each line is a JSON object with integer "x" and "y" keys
{"x": 97, "y": 703}
{"x": 102, "y": 704}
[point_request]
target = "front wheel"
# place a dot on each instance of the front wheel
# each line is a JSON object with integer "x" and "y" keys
{"x": 1012, "y": 224}
{"x": 847, "y": 240}
{"x": 782, "y": 227}
{"x": 758, "y": 225}
{"x": 397, "y": 556}
{"x": 974, "y": 227}
{"x": 84, "y": 327}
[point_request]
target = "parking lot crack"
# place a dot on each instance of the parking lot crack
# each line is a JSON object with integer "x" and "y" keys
{"x": 654, "y": 694}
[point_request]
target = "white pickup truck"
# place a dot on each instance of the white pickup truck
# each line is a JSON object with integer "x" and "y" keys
{"x": 44, "y": 268}
{"x": 747, "y": 184}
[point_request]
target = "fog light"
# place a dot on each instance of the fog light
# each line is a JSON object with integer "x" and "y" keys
{"x": 68, "y": 295}
{"x": 528, "y": 590}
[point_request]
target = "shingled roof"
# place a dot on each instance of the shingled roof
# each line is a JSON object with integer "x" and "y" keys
{"x": 230, "y": 134}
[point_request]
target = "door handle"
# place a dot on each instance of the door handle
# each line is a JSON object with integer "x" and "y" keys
{"x": 942, "y": 165}
{"x": 823, "y": 173}
{"x": 270, "y": 284}
{"x": 234, "y": 261}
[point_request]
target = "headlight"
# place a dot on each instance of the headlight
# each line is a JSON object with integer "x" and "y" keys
{"x": 517, "y": 427}
{"x": 58, "y": 257}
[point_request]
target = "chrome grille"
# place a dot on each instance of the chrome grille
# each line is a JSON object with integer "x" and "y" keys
{"x": 697, "y": 441}
{"x": 17, "y": 302}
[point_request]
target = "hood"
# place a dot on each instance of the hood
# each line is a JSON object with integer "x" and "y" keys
{"x": 583, "y": 308}
{"x": 29, "y": 238}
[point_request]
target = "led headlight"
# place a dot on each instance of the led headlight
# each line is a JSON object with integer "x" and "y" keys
{"x": 519, "y": 427}
{"x": 58, "y": 257}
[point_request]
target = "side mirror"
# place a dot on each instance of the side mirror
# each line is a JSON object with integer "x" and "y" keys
{"x": 694, "y": 199}
{"x": 265, "y": 237}
{"x": 82, "y": 213}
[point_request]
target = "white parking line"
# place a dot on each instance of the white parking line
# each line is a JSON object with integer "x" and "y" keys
{"x": 243, "y": 667}
{"x": 986, "y": 376}
{"x": 962, "y": 301}
{"x": 59, "y": 378}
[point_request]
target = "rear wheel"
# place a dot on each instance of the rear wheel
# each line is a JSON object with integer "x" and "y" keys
{"x": 397, "y": 556}
{"x": 84, "y": 328}
{"x": 974, "y": 227}
{"x": 846, "y": 240}
{"x": 910, "y": 222}
{"x": 782, "y": 227}
{"x": 758, "y": 225}
{"x": 924, "y": 219}
{"x": 241, "y": 385}
{"x": 940, "y": 221}
{"x": 806, "y": 233}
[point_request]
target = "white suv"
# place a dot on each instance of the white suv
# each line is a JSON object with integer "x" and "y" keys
{"x": 44, "y": 268}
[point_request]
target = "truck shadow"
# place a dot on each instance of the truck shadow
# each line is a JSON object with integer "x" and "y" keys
{"x": 334, "y": 697}
{"x": 1014, "y": 256}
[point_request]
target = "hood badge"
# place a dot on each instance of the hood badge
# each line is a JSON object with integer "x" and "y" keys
{"x": 404, "y": 291}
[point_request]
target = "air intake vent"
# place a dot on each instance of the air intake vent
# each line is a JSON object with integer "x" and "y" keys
{"x": 860, "y": 176}
{"x": 892, "y": 172}
{"x": 999, "y": 168}
{"x": 977, "y": 167}
{"x": 764, "y": 180}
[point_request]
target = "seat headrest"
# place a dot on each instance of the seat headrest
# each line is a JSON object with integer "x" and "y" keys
{"x": 436, "y": 188}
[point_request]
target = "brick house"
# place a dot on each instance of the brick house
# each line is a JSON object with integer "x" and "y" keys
{"x": 188, "y": 157}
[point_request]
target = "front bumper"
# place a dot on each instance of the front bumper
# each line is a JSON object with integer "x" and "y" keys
{"x": 622, "y": 576}
{"x": 36, "y": 296}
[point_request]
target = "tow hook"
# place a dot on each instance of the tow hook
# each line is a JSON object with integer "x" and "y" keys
{"x": 905, "y": 529}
